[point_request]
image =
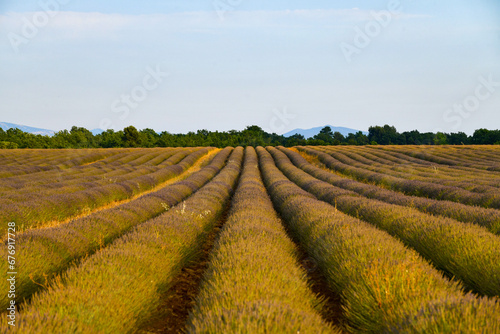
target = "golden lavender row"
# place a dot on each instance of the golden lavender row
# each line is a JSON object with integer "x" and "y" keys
{"x": 471, "y": 179}
{"x": 41, "y": 209}
{"x": 47, "y": 252}
{"x": 466, "y": 251}
{"x": 56, "y": 162}
{"x": 385, "y": 287}
{"x": 484, "y": 158}
{"x": 478, "y": 158}
{"x": 488, "y": 218}
{"x": 254, "y": 283}
{"x": 409, "y": 187}
{"x": 442, "y": 174}
{"x": 444, "y": 156}
{"x": 73, "y": 180}
{"x": 118, "y": 289}
{"x": 468, "y": 181}
{"x": 82, "y": 177}
{"x": 32, "y": 161}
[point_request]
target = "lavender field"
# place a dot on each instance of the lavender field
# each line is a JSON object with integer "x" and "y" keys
{"x": 309, "y": 239}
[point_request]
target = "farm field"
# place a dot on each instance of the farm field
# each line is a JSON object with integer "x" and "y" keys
{"x": 309, "y": 239}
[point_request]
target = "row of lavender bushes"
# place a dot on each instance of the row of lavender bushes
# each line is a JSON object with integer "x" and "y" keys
{"x": 474, "y": 180}
{"x": 44, "y": 253}
{"x": 488, "y": 218}
{"x": 466, "y": 251}
{"x": 477, "y": 157}
{"x": 442, "y": 174}
{"x": 385, "y": 287}
{"x": 409, "y": 187}
{"x": 120, "y": 288}
{"x": 35, "y": 211}
{"x": 83, "y": 177}
{"x": 33, "y": 161}
{"x": 254, "y": 282}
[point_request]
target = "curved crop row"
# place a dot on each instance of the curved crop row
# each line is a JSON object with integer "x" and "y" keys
{"x": 488, "y": 218}
{"x": 96, "y": 174}
{"x": 475, "y": 181}
{"x": 466, "y": 251}
{"x": 475, "y": 154}
{"x": 411, "y": 187}
{"x": 474, "y": 157}
{"x": 47, "y": 252}
{"x": 30, "y": 159}
{"x": 254, "y": 283}
{"x": 79, "y": 178}
{"x": 66, "y": 160}
{"x": 435, "y": 158}
{"x": 385, "y": 287}
{"x": 119, "y": 289}
{"x": 61, "y": 206}
{"x": 444, "y": 174}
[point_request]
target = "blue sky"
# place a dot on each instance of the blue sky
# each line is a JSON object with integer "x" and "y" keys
{"x": 186, "y": 65}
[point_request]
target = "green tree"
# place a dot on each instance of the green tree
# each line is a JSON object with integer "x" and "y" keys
{"x": 338, "y": 138}
{"x": 458, "y": 138}
{"x": 440, "y": 139}
{"x": 110, "y": 138}
{"x": 253, "y": 136}
{"x": 130, "y": 136}
{"x": 81, "y": 138}
{"x": 148, "y": 138}
{"x": 383, "y": 135}
{"x": 326, "y": 135}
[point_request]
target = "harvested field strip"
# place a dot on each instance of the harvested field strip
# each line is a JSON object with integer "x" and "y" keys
{"x": 466, "y": 251}
{"x": 488, "y": 218}
{"x": 47, "y": 252}
{"x": 111, "y": 292}
{"x": 385, "y": 287}
{"x": 60, "y": 207}
{"x": 254, "y": 282}
{"x": 409, "y": 187}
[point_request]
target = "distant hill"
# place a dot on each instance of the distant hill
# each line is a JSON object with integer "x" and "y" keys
{"x": 29, "y": 129}
{"x": 97, "y": 131}
{"x": 308, "y": 133}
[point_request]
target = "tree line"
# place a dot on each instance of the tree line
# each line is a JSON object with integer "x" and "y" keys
{"x": 79, "y": 137}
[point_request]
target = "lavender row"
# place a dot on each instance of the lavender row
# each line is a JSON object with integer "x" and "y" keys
{"x": 36, "y": 161}
{"x": 62, "y": 206}
{"x": 441, "y": 173}
{"x": 465, "y": 251}
{"x": 102, "y": 171}
{"x": 488, "y": 218}
{"x": 470, "y": 181}
{"x": 384, "y": 286}
{"x": 409, "y": 187}
{"x": 119, "y": 289}
{"x": 78, "y": 179}
{"x": 254, "y": 283}
{"x": 46, "y": 252}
